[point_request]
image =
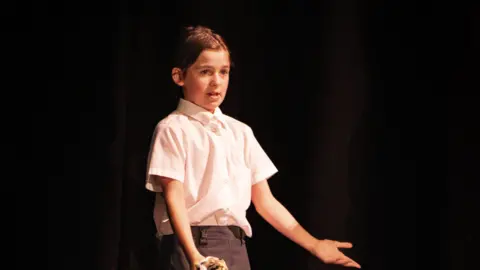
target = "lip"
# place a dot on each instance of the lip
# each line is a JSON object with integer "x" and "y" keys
{"x": 214, "y": 96}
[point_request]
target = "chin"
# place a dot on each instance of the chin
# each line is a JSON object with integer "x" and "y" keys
{"x": 214, "y": 105}
{"x": 212, "y": 108}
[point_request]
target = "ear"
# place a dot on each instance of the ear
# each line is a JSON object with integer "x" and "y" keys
{"x": 177, "y": 76}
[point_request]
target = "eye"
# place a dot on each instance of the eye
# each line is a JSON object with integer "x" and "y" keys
{"x": 225, "y": 72}
{"x": 204, "y": 71}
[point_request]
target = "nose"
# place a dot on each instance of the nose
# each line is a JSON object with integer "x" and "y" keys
{"x": 216, "y": 79}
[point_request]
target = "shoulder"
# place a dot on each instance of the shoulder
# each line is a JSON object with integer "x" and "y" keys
{"x": 237, "y": 124}
{"x": 175, "y": 122}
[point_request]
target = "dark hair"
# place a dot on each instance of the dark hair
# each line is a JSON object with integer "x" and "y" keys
{"x": 193, "y": 41}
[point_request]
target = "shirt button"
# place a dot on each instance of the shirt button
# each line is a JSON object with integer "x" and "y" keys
{"x": 223, "y": 220}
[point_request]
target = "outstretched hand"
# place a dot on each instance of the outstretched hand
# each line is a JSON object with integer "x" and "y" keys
{"x": 328, "y": 251}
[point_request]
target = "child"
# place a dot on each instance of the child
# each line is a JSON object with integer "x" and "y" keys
{"x": 207, "y": 167}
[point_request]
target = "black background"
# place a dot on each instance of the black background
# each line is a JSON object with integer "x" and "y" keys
{"x": 354, "y": 101}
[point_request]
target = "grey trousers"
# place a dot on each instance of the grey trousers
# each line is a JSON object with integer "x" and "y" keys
{"x": 224, "y": 242}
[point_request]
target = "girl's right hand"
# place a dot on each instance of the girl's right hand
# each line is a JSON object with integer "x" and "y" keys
{"x": 211, "y": 262}
{"x": 197, "y": 261}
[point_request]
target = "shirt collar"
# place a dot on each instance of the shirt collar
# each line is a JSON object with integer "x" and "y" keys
{"x": 200, "y": 114}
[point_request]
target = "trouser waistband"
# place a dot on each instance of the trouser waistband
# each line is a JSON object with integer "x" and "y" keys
{"x": 202, "y": 235}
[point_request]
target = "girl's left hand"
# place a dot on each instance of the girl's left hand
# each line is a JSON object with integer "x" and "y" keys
{"x": 328, "y": 251}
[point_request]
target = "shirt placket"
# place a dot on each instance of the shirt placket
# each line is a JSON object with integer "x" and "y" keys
{"x": 216, "y": 127}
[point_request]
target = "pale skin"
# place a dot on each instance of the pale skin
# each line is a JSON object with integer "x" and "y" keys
{"x": 205, "y": 84}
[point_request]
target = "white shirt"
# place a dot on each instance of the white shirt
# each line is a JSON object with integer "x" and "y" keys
{"x": 216, "y": 157}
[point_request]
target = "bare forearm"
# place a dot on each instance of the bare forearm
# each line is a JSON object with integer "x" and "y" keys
{"x": 283, "y": 221}
{"x": 180, "y": 222}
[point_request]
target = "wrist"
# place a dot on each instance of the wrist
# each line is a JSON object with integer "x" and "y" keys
{"x": 195, "y": 257}
{"x": 312, "y": 245}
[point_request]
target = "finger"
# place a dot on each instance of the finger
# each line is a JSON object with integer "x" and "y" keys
{"x": 349, "y": 262}
{"x": 352, "y": 264}
{"x": 343, "y": 244}
{"x": 342, "y": 261}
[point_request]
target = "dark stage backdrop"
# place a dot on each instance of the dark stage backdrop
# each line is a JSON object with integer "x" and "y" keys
{"x": 345, "y": 97}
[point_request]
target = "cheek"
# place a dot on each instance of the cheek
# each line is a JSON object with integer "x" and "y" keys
{"x": 202, "y": 83}
{"x": 225, "y": 84}
{"x": 197, "y": 86}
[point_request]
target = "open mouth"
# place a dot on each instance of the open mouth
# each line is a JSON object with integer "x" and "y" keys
{"x": 214, "y": 95}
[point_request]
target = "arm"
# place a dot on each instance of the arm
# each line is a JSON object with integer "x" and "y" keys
{"x": 280, "y": 218}
{"x": 177, "y": 211}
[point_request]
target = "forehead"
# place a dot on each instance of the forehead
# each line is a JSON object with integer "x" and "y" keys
{"x": 216, "y": 58}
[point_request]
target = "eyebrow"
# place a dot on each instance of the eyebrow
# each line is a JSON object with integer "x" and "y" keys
{"x": 208, "y": 66}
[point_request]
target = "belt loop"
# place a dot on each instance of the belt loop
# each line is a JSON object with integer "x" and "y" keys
{"x": 203, "y": 236}
{"x": 242, "y": 236}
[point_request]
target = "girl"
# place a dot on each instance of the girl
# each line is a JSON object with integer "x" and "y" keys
{"x": 207, "y": 167}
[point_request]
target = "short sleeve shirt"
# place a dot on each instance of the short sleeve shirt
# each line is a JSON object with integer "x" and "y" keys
{"x": 216, "y": 157}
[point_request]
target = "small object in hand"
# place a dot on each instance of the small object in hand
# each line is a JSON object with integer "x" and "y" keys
{"x": 212, "y": 263}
